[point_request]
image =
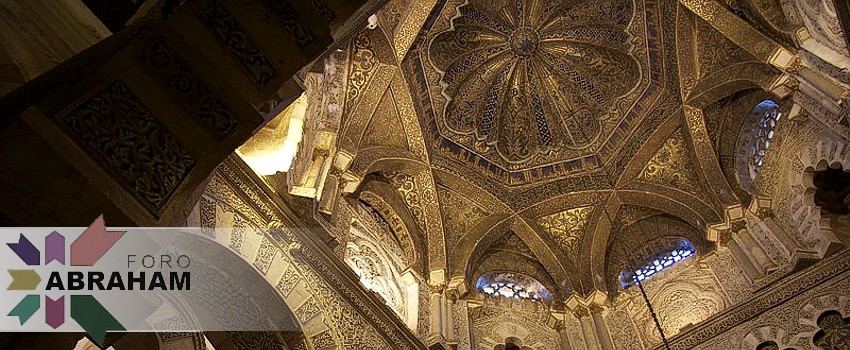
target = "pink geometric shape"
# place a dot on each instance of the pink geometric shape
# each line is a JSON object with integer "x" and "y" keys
{"x": 93, "y": 243}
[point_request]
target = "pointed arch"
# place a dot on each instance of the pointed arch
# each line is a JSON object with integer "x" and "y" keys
{"x": 485, "y": 232}
{"x": 382, "y": 196}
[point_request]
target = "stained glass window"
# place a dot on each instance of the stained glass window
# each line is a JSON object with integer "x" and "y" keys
{"x": 769, "y": 114}
{"x": 512, "y": 285}
{"x": 659, "y": 262}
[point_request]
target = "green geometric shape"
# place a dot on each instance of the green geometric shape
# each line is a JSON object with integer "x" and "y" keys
{"x": 88, "y": 312}
{"x": 26, "y": 308}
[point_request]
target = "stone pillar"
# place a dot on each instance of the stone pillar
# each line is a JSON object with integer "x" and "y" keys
{"x": 754, "y": 252}
{"x": 436, "y": 314}
{"x": 743, "y": 261}
{"x": 461, "y": 319}
{"x": 601, "y": 327}
{"x": 448, "y": 318}
{"x": 587, "y": 327}
{"x": 561, "y": 328}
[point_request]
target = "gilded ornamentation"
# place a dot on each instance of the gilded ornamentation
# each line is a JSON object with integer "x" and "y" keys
{"x": 604, "y": 32}
{"x": 377, "y": 226}
{"x": 207, "y": 213}
{"x": 404, "y": 106}
{"x": 363, "y": 64}
{"x": 671, "y": 165}
{"x": 510, "y": 242}
{"x": 786, "y": 302}
{"x": 706, "y": 156}
{"x": 241, "y": 47}
{"x": 532, "y": 78}
{"x": 630, "y": 214}
{"x": 420, "y": 195}
{"x": 734, "y": 28}
{"x": 567, "y": 227}
{"x": 436, "y": 236}
{"x": 237, "y": 233}
{"x": 265, "y": 255}
{"x": 622, "y": 330}
{"x": 409, "y": 28}
{"x": 118, "y": 131}
{"x": 406, "y": 186}
{"x": 385, "y": 128}
{"x": 795, "y": 66}
{"x": 683, "y": 295}
{"x": 632, "y": 247}
{"x": 716, "y": 52}
{"x": 352, "y": 316}
{"x": 393, "y": 13}
{"x": 383, "y": 212}
{"x": 498, "y": 319}
{"x": 834, "y": 333}
{"x": 459, "y": 214}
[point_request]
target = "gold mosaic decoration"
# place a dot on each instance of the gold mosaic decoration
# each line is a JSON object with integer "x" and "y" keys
{"x": 533, "y": 81}
{"x": 363, "y": 65}
{"x": 459, "y": 214}
{"x": 406, "y": 186}
{"x": 385, "y": 128}
{"x": 566, "y": 227}
{"x": 671, "y": 166}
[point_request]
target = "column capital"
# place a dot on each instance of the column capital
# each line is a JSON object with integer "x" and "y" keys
{"x": 762, "y": 207}
{"x": 580, "y": 311}
{"x": 436, "y": 288}
{"x": 456, "y": 288}
{"x": 596, "y": 308}
{"x": 559, "y": 325}
{"x": 437, "y": 277}
{"x": 733, "y": 221}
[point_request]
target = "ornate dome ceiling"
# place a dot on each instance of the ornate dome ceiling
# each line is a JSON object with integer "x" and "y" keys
{"x": 533, "y": 89}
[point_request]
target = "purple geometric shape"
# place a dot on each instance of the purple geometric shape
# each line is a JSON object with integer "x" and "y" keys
{"x": 54, "y": 314}
{"x": 54, "y": 248}
{"x": 26, "y": 251}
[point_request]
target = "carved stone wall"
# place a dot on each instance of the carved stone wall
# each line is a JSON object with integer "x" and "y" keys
{"x": 377, "y": 258}
{"x": 793, "y": 323}
{"x": 574, "y": 334}
{"x": 819, "y": 18}
{"x": 332, "y": 308}
{"x": 497, "y": 319}
{"x": 686, "y": 293}
{"x": 726, "y": 313}
{"x": 803, "y": 145}
{"x": 623, "y": 329}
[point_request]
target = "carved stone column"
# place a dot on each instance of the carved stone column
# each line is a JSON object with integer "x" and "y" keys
{"x": 601, "y": 327}
{"x": 588, "y": 329}
{"x": 561, "y": 328}
{"x": 448, "y": 318}
{"x": 755, "y": 252}
{"x": 743, "y": 261}
{"x": 435, "y": 335}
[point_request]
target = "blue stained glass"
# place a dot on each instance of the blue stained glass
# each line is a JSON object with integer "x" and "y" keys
{"x": 660, "y": 262}
{"x": 769, "y": 113}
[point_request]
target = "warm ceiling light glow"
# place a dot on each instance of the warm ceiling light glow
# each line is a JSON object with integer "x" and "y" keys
{"x": 273, "y": 148}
